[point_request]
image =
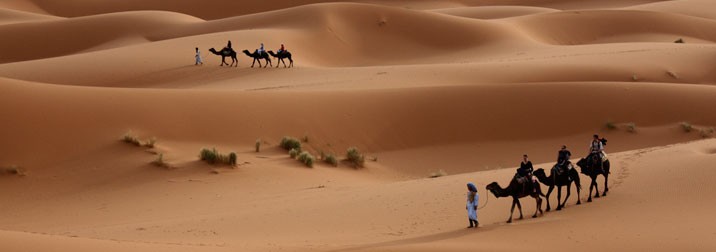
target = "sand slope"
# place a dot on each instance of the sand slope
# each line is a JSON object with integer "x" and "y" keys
{"x": 460, "y": 88}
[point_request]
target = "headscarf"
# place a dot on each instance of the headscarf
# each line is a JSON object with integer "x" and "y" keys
{"x": 473, "y": 191}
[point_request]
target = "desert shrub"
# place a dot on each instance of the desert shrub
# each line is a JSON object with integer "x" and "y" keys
{"x": 306, "y": 158}
{"x": 150, "y": 143}
{"x": 130, "y": 138}
{"x": 289, "y": 143}
{"x": 706, "y": 133}
{"x": 160, "y": 161}
{"x": 305, "y": 138}
{"x": 258, "y": 145}
{"x": 293, "y": 153}
{"x": 331, "y": 159}
{"x": 214, "y": 157}
{"x": 631, "y": 127}
{"x": 679, "y": 41}
{"x": 610, "y": 125}
{"x": 232, "y": 159}
{"x": 687, "y": 127}
{"x": 354, "y": 156}
{"x": 438, "y": 174}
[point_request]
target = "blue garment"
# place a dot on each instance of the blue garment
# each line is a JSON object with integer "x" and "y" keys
{"x": 472, "y": 206}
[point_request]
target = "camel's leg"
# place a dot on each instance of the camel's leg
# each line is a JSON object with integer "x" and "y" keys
{"x": 519, "y": 206}
{"x": 606, "y": 179}
{"x": 548, "y": 193}
{"x": 538, "y": 200}
{"x": 591, "y": 187}
{"x": 579, "y": 194}
{"x": 559, "y": 198}
{"x": 512, "y": 211}
{"x": 596, "y": 188}
{"x": 569, "y": 192}
{"x": 259, "y": 61}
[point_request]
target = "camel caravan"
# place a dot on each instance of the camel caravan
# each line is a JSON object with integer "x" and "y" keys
{"x": 527, "y": 182}
{"x": 257, "y": 55}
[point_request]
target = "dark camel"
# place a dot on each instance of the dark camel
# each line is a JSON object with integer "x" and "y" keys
{"x": 281, "y": 56}
{"x": 593, "y": 167}
{"x": 257, "y": 57}
{"x": 564, "y": 179}
{"x": 517, "y": 191}
{"x": 226, "y": 52}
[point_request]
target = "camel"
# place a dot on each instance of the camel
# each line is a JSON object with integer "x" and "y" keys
{"x": 226, "y": 52}
{"x": 590, "y": 167}
{"x": 257, "y": 57}
{"x": 517, "y": 191}
{"x": 281, "y": 56}
{"x": 564, "y": 179}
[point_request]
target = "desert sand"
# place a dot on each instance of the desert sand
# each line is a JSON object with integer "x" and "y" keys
{"x": 459, "y": 88}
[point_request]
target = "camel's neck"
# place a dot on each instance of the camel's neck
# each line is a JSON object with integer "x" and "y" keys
{"x": 544, "y": 179}
{"x": 501, "y": 192}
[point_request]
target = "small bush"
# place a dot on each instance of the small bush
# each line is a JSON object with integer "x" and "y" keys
{"x": 232, "y": 159}
{"x": 305, "y": 139}
{"x": 438, "y": 174}
{"x": 214, "y": 157}
{"x": 610, "y": 125}
{"x": 631, "y": 127}
{"x": 130, "y": 138}
{"x": 354, "y": 156}
{"x": 687, "y": 127}
{"x": 289, "y": 143}
{"x": 706, "y": 133}
{"x": 150, "y": 143}
{"x": 293, "y": 153}
{"x": 160, "y": 161}
{"x": 679, "y": 41}
{"x": 306, "y": 158}
{"x": 258, "y": 145}
{"x": 331, "y": 159}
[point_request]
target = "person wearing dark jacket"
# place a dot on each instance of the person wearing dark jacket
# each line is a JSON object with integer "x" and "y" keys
{"x": 525, "y": 167}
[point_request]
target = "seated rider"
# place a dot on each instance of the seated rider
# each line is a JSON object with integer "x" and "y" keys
{"x": 596, "y": 149}
{"x": 563, "y": 158}
{"x": 525, "y": 167}
{"x": 261, "y": 49}
{"x": 281, "y": 50}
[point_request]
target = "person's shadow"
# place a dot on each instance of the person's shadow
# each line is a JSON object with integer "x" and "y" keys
{"x": 421, "y": 239}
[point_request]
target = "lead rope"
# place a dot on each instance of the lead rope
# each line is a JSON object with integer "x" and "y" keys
{"x": 487, "y": 193}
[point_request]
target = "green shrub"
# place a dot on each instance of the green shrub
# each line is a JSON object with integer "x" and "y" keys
{"x": 687, "y": 127}
{"x": 306, "y": 158}
{"x": 293, "y": 153}
{"x": 289, "y": 143}
{"x": 130, "y": 138}
{"x": 232, "y": 159}
{"x": 214, "y": 157}
{"x": 354, "y": 156}
{"x": 331, "y": 159}
{"x": 631, "y": 127}
{"x": 706, "y": 133}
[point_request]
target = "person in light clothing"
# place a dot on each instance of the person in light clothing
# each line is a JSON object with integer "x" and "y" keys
{"x": 472, "y": 198}
{"x": 198, "y": 58}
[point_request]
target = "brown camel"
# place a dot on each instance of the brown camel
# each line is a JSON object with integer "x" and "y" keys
{"x": 517, "y": 191}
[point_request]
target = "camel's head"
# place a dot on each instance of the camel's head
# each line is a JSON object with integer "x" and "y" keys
{"x": 492, "y": 187}
{"x": 212, "y": 50}
{"x": 539, "y": 173}
{"x": 246, "y": 51}
{"x": 582, "y": 163}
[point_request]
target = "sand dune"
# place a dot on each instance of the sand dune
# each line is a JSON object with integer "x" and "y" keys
{"x": 458, "y": 88}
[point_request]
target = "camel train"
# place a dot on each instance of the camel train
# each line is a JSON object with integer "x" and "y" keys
{"x": 527, "y": 183}
{"x": 257, "y": 56}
